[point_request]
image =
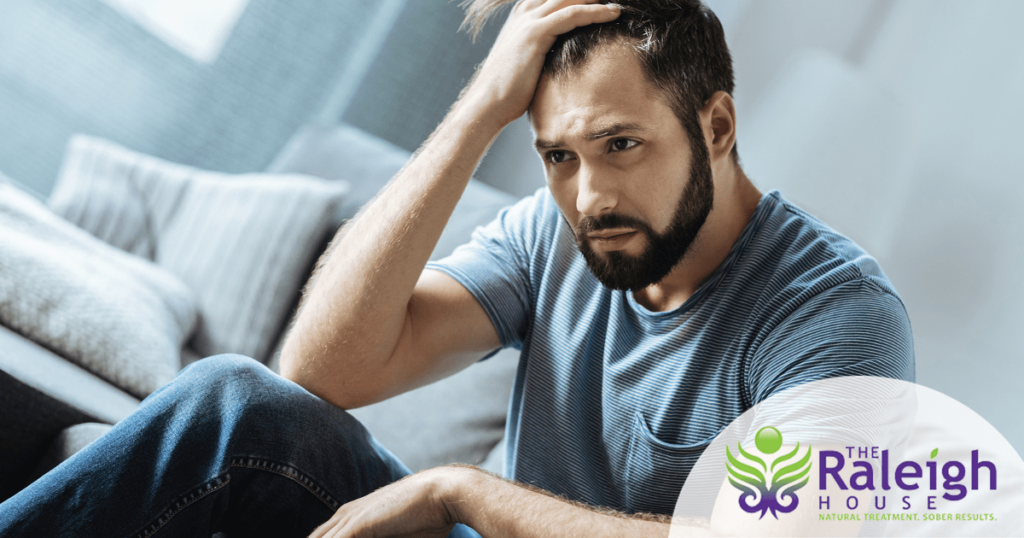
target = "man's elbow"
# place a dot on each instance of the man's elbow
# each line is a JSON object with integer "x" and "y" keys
{"x": 297, "y": 366}
{"x": 291, "y": 364}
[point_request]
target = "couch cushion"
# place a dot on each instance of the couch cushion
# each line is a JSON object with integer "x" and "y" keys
{"x": 344, "y": 153}
{"x": 67, "y": 443}
{"x": 368, "y": 163}
{"x": 458, "y": 419}
{"x": 57, "y": 378}
{"x": 242, "y": 243}
{"x": 117, "y": 315}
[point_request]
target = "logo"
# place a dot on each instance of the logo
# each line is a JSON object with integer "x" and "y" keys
{"x": 788, "y": 473}
{"x": 890, "y": 458}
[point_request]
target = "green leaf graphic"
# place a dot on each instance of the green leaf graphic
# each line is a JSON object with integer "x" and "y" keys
{"x": 792, "y": 473}
{"x": 934, "y": 453}
{"x": 785, "y": 457}
{"x": 734, "y": 466}
{"x": 752, "y": 457}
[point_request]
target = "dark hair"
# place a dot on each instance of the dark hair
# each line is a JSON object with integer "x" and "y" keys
{"x": 680, "y": 45}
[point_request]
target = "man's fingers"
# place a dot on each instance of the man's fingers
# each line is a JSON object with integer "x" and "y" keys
{"x": 548, "y": 7}
{"x": 578, "y": 15}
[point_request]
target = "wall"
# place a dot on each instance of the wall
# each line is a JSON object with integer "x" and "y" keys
{"x": 71, "y": 66}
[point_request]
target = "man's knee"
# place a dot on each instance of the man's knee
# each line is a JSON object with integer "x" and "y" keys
{"x": 234, "y": 379}
{"x": 227, "y": 368}
{"x": 241, "y": 386}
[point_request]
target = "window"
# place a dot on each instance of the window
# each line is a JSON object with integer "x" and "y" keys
{"x": 197, "y": 28}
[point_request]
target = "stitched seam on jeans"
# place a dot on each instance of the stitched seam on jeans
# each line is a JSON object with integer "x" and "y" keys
{"x": 288, "y": 471}
{"x": 183, "y": 502}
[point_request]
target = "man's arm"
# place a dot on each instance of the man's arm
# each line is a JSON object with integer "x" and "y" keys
{"x": 374, "y": 324}
{"x": 429, "y": 503}
{"x": 371, "y": 320}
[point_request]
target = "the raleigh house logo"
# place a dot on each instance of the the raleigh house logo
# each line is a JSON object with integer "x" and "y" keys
{"x": 788, "y": 473}
{"x": 771, "y": 485}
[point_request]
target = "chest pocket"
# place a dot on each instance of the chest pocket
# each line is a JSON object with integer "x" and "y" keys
{"x": 655, "y": 470}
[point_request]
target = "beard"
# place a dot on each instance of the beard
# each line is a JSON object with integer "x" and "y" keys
{"x": 620, "y": 271}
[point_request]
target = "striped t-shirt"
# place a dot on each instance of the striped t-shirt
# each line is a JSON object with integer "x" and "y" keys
{"x": 613, "y": 403}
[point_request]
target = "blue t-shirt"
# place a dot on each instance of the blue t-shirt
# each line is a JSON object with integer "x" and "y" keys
{"x": 613, "y": 403}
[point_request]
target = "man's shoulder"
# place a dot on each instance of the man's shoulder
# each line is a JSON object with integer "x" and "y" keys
{"x": 800, "y": 254}
{"x": 793, "y": 265}
{"x": 825, "y": 308}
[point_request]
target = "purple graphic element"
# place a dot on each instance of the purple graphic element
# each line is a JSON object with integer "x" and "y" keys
{"x": 781, "y": 496}
{"x": 769, "y": 500}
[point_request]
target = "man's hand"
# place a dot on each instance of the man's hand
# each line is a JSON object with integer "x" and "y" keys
{"x": 508, "y": 77}
{"x": 412, "y": 506}
{"x": 431, "y": 502}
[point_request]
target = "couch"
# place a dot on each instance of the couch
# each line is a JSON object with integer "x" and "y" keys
{"x": 52, "y": 407}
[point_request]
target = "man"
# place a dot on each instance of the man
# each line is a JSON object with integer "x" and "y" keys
{"x": 655, "y": 293}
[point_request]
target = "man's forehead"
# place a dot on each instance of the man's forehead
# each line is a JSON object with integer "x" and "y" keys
{"x": 608, "y": 94}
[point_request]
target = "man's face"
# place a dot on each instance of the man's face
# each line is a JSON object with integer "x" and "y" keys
{"x": 621, "y": 168}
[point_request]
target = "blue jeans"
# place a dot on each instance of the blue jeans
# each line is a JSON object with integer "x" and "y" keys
{"x": 228, "y": 446}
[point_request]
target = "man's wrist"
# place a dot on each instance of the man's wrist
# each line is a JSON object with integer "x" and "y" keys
{"x": 457, "y": 487}
{"x": 485, "y": 113}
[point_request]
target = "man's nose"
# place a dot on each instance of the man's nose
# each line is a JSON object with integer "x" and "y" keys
{"x": 596, "y": 192}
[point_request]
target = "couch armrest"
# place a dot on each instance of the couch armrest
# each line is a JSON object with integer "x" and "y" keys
{"x": 40, "y": 395}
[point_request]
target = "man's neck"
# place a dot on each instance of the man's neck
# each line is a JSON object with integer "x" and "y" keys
{"x": 735, "y": 202}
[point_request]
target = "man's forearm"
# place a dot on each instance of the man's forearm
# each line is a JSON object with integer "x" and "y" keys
{"x": 497, "y": 508}
{"x": 357, "y": 303}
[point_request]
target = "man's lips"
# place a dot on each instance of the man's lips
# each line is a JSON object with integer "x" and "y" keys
{"x": 614, "y": 233}
{"x": 611, "y": 239}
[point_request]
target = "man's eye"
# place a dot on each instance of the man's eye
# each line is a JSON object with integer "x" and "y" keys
{"x": 558, "y": 156}
{"x": 620, "y": 144}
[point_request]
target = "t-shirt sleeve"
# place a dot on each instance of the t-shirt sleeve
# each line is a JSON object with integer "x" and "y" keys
{"x": 495, "y": 267}
{"x": 857, "y": 328}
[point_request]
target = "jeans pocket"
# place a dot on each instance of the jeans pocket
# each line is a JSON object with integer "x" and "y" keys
{"x": 655, "y": 470}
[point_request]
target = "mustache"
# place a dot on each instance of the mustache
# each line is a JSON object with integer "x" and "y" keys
{"x": 609, "y": 220}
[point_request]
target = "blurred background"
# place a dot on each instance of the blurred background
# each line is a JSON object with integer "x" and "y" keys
{"x": 896, "y": 121}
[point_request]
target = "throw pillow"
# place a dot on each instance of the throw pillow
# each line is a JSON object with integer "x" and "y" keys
{"x": 244, "y": 243}
{"x": 116, "y": 315}
{"x": 91, "y": 191}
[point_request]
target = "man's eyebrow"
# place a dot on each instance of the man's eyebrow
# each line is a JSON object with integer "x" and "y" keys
{"x": 614, "y": 129}
{"x": 544, "y": 144}
{"x": 603, "y": 132}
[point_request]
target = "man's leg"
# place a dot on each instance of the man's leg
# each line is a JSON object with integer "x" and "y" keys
{"x": 227, "y": 446}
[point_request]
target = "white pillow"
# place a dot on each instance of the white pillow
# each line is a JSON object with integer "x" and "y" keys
{"x": 243, "y": 243}
{"x": 116, "y": 315}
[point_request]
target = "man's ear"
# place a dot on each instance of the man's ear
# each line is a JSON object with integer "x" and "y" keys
{"x": 718, "y": 121}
